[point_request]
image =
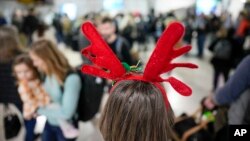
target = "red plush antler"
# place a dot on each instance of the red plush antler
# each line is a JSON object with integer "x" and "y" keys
{"x": 100, "y": 54}
{"x": 107, "y": 65}
{"x": 164, "y": 53}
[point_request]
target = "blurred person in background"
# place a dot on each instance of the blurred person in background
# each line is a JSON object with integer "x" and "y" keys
{"x": 188, "y": 22}
{"x": 83, "y": 42}
{"x": 127, "y": 27}
{"x": 17, "y": 19}
{"x": 200, "y": 25}
{"x": 30, "y": 24}
{"x": 241, "y": 32}
{"x": 9, "y": 49}
{"x": 58, "y": 27}
{"x": 62, "y": 87}
{"x": 221, "y": 48}
{"x": 158, "y": 27}
{"x": 66, "y": 28}
{"x": 214, "y": 24}
{"x": 141, "y": 32}
{"x": 44, "y": 32}
{"x": 118, "y": 44}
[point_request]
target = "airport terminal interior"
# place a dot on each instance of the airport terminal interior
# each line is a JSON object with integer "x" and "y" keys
{"x": 217, "y": 30}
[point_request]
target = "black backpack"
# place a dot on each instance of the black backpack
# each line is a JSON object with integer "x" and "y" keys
{"x": 90, "y": 95}
{"x": 223, "y": 49}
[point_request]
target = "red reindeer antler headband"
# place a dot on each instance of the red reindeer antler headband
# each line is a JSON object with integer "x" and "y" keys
{"x": 107, "y": 65}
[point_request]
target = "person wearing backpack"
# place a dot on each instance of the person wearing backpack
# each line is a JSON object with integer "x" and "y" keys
{"x": 221, "y": 61}
{"x": 117, "y": 43}
{"x": 62, "y": 110}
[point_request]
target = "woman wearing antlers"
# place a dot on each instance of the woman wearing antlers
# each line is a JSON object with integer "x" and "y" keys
{"x": 138, "y": 108}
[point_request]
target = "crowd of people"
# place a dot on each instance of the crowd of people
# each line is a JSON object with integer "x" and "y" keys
{"x": 34, "y": 74}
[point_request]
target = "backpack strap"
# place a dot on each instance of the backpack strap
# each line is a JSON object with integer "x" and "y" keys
{"x": 67, "y": 74}
{"x": 118, "y": 47}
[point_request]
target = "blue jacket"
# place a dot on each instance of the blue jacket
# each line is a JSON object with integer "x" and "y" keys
{"x": 236, "y": 85}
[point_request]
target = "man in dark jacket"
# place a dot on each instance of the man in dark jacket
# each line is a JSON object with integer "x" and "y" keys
{"x": 117, "y": 43}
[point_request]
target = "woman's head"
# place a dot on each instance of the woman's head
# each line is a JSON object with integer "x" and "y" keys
{"x": 136, "y": 111}
{"x": 9, "y": 45}
{"x": 49, "y": 60}
{"x": 23, "y": 68}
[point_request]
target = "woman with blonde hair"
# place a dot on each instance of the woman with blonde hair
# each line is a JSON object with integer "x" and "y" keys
{"x": 62, "y": 87}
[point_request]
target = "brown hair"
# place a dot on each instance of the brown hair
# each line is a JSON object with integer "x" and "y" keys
{"x": 25, "y": 59}
{"x": 135, "y": 111}
{"x": 56, "y": 62}
{"x": 9, "y": 45}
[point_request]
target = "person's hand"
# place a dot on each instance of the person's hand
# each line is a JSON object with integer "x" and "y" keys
{"x": 209, "y": 103}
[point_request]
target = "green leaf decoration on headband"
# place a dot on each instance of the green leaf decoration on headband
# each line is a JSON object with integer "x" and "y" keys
{"x": 126, "y": 66}
{"x": 129, "y": 68}
{"x": 132, "y": 68}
